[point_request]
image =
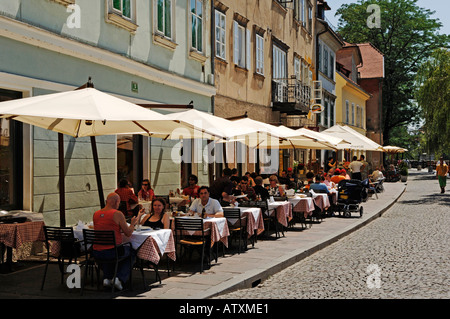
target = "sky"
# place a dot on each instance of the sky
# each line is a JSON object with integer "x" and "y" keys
{"x": 440, "y": 6}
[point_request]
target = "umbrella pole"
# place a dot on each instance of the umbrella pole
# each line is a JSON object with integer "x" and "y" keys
{"x": 97, "y": 172}
{"x": 62, "y": 188}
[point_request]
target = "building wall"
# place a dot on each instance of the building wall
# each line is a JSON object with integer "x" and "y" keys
{"x": 41, "y": 54}
{"x": 346, "y": 91}
{"x": 251, "y": 91}
{"x": 374, "y": 116}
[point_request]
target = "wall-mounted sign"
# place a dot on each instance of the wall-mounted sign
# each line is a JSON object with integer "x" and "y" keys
{"x": 134, "y": 87}
{"x": 317, "y": 108}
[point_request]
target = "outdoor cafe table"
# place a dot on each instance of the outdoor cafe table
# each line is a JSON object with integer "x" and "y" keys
{"x": 283, "y": 211}
{"x": 151, "y": 244}
{"x": 15, "y": 235}
{"x": 321, "y": 200}
{"x": 255, "y": 221}
{"x": 303, "y": 205}
{"x": 219, "y": 228}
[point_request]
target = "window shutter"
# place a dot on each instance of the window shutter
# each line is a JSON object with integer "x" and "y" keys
{"x": 235, "y": 42}
{"x": 248, "y": 51}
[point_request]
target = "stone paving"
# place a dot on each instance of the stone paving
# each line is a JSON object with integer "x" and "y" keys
{"x": 403, "y": 254}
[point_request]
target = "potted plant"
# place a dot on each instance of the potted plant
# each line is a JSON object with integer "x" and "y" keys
{"x": 301, "y": 168}
{"x": 403, "y": 171}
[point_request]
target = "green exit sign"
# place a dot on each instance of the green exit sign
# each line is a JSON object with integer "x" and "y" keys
{"x": 134, "y": 87}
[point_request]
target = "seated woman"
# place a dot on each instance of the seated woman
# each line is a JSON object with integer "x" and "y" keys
{"x": 274, "y": 189}
{"x": 146, "y": 192}
{"x": 157, "y": 217}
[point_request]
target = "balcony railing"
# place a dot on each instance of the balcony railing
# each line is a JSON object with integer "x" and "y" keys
{"x": 291, "y": 96}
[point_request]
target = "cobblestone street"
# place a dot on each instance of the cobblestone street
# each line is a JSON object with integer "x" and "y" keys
{"x": 402, "y": 254}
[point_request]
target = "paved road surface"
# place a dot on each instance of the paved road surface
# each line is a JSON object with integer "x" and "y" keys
{"x": 403, "y": 254}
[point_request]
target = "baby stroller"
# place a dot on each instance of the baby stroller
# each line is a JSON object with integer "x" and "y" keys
{"x": 350, "y": 195}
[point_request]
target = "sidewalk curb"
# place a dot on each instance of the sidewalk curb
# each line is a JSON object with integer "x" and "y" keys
{"x": 253, "y": 278}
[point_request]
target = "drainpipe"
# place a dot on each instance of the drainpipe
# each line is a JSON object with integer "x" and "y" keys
{"x": 213, "y": 50}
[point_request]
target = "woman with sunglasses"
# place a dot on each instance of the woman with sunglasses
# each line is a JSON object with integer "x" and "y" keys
{"x": 146, "y": 192}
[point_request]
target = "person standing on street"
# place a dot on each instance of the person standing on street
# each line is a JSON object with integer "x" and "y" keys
{"x": 441, "y": 174}
{"x": 356, "y": 166}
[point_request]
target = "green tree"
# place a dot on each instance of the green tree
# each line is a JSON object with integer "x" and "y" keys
{"x": 407, "y": 36}
{"x": 433, "y": 96}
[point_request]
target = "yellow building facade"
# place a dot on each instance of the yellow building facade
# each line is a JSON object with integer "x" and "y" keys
{"x": 351, "y": 105}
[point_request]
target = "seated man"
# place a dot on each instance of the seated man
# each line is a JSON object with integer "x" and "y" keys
{"x": 319, "y": 186}
{"x": 206, "y": 206}
{"x": 244, "y": 189}
{"x": 376, "y": 175}
{"x": 109, "y": 218}
{"x": 260, "y": 190}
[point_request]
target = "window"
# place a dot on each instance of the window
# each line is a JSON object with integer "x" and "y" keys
{"x": 220, "y": 20}
{"x": 11, "y": 158}
{"x": 310, "y": 17}
{"x": 331, "y": 112}
{"x": 299, "y": 8}
{"x": 282, "y": 3}
{"x": 196, "y": 12}
{"x": 361, "y": 114}
{"x": 164, "y": 18}
{"x": 306, "y": 74}
{"x": 357, "y": 116}
{"x": 122, "y": 7}
{"x": 241, "y": 46}
{"x": 353, "y": 113}
{"x": 259, "y": 56}
{"x": 122, "y": 13}
{"x": 331, "y": 74}
{"x": 279, "y": 63}
{"x": 325, "y": 61}
{"x": 347, "y": 118}
{"x": 297, "y": 68}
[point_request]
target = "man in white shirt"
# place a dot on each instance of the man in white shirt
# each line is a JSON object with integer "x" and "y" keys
{"x": 376, "y": 174}
{"x": 206, "y": 206}
{"x": 355, "y": 167}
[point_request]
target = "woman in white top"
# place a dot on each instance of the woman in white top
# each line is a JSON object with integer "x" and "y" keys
{"x": 274, "y": 189}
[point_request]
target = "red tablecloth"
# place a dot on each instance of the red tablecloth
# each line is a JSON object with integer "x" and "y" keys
{"x": 303, "y": 205}
{"x": 15, "y": 235}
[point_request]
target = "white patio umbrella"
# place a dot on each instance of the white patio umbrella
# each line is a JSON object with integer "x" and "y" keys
{"x": 334, "y": 141}
{"x": 214, "y": 126}
{"x": 88, "y": 112}
{"x": 394, "y": 149}
{"x": 357, "y": 140}
{"x": 282, "y": 137}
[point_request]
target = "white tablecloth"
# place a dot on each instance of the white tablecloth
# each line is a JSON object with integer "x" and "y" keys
{"x": 161, "y": 237}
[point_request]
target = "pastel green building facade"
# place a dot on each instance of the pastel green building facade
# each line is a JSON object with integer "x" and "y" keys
{"x": 51, "y": 46}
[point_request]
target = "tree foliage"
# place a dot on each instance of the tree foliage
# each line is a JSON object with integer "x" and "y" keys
{"x": 406, "y": 37}
{"x": 433, "y": 96}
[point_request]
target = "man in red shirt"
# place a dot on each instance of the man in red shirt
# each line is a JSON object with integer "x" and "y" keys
{"x": 109, "y": 218}
{"x": 192, "y": 189}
